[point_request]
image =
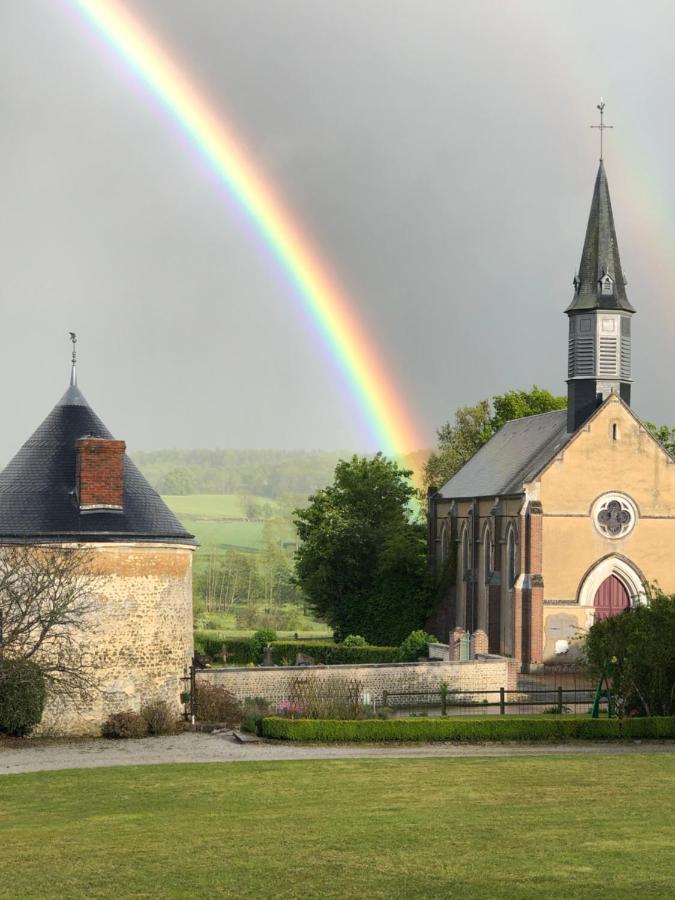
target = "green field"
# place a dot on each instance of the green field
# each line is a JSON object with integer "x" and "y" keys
{"x": 538, "y": 827}
{"x": 208, "y": 517}
{"x": 212, "y": 506}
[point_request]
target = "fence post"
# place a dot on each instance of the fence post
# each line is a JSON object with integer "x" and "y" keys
{"x": 193, "y": 688}
{"x": 502, "y": 703}
{"x": 385, "y": 698}
{"x": 560, "y": 703}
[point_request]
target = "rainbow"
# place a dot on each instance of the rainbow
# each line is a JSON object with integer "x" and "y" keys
{"x": 372, "y": 386}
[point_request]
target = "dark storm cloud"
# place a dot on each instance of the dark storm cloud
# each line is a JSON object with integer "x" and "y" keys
{"x": 438, "y": 153}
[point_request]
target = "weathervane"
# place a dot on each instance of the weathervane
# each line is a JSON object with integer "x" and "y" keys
{"x": 601, "y": 126}
{"x": 73, "y": 373}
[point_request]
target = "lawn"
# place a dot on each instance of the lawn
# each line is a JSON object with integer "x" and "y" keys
{"x": 212, "y": 506}
{"x": 538, "y": 827}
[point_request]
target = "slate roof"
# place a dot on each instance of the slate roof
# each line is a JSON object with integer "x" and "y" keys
{"x": 511, "y": 457}
{"x": 36, "y": 488}
{"x": 600, "y": 256}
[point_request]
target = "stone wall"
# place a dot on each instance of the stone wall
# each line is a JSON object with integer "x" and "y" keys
{"x": 139, "y": 639}
{"x": 274, "y": 683}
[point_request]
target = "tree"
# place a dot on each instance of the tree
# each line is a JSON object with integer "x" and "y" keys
{"x": 362, "y": 561}
{"x": 635, "y": 650}
{"x": 178, "y": 482}
{"x": 46, "y": 602}
{"x": 518, "y": 404}
{"x": 664, "y": 434}
{"x": 474, "y": 425}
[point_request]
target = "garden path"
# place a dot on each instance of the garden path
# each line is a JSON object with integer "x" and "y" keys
{"x": 41, "y": 754}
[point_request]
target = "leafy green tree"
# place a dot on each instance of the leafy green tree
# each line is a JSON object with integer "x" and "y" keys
{"x": 664, "y": 434}
{"x": 457, "y": 442}
{"x": 362, "y": 561}
{"x": 178, "y": 482}
{"x": 635, "y": 649}
{"x": 474, "y": 425}
{"x": 518, "y": 404}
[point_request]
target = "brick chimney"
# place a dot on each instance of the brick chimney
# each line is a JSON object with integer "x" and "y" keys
{"x": 100, "y": 474}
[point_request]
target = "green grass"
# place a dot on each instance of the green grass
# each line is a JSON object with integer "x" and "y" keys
{"x": 538, "y": 827}
{"x": 213, "y": 506}
{"x": 217, "y": 537}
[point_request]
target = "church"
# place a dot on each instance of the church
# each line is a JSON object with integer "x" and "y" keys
{"x": 567, "y": 517}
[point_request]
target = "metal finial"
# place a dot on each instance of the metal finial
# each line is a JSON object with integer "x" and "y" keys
{"x": 601, "y": 126}
{"x": 73, "y": 372}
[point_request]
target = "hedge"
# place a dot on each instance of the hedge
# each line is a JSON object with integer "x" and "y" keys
{"x": 240, "y": 651}
{"x": 332, "y": 654}
{"x": 509, "y": 728}
{"x": 22, "y": 696}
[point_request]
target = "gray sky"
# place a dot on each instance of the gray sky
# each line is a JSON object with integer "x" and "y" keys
{"x": 438, "y": 153}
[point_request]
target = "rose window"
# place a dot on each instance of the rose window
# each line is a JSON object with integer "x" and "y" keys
{"x": 615, "y": 516}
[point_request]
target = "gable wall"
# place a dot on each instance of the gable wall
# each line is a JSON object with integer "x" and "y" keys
{"x": 594, "y": 464}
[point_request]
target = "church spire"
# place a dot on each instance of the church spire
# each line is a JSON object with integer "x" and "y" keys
{"x": 599, "y": 316}
{"x": 600, "y": 283}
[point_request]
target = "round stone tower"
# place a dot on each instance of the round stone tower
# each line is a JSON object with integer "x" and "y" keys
{"x": 72, "y": 484}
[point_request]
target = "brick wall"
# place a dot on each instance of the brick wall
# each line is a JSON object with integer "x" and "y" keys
{"x": 100, "y": 469}
{"x": 275, "y": 683}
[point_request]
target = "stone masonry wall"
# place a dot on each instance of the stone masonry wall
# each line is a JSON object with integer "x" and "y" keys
{"x": 274, "y": 683}
{"x": 140, "y": 637}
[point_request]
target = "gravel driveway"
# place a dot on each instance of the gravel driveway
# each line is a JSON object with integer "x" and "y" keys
{"x": 39, "y": 755}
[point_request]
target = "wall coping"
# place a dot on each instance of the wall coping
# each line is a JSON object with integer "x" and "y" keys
{"x": 435, "y": 663}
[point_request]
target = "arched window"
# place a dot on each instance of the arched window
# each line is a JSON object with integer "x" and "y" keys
{"x": 445, "y": 544}
{"x": 511, "y": 557}
{"x": 488, "y": 554}
{"x": 465, "y": 552}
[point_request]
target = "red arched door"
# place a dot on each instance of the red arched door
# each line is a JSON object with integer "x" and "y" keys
{"x": 610, "y": 599}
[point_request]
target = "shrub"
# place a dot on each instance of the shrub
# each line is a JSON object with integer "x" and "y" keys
{"x": 213, "y": 703}
{"x": 285, "y": 652}
{"x": 254, "y": 711}
{"x": 314, "y": 697}
{"x": 241, "y": 651}
{"x": 261, "y": 639}
{"x": 22, "y": 697}
{"x": 214, "y": 645}
{"x": 508, "y": 728}
{"x": 354, "y": 640}
{"x": 127, "y": 724}
{"x": 160, "y": 718}
{"x": 210, "y": 643}
{"x": 416, "y": 645}
{"x": 635, "y": 650}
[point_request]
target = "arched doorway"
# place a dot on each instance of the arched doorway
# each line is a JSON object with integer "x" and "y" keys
{"x": 611, "y": 598}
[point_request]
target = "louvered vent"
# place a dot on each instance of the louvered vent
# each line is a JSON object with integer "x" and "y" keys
{"x": 625, "y": 357}
{"x": 570, "y": 358}
{"x": 584, "y": 356}
{"x": 608, "y": 361}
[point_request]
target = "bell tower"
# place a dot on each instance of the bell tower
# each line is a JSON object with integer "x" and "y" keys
{"x": 599, "y": 360}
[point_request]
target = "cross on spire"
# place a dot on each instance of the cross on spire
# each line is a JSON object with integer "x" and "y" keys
{"x": 601, "y": 126}
{"x": 73, "y": 360}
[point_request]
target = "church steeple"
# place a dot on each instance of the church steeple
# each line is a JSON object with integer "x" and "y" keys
{"x": 599, "y": 316}
{"x": 600, "y": 283}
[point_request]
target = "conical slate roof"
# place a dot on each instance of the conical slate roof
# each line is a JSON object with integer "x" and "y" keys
{"x": 600, "y": 256}
{"x": 37, "y": 499}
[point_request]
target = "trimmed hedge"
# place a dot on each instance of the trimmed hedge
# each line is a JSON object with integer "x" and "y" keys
{"x": 240, "y": 651}
{"x": 332, "y": 654}
{"x": 510, "y": 728}
{"x": 244, "y": 651}
{"x": 22, "y": 696}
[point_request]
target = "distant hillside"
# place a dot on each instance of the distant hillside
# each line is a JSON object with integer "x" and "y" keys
{"x": 261, "y": 473}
